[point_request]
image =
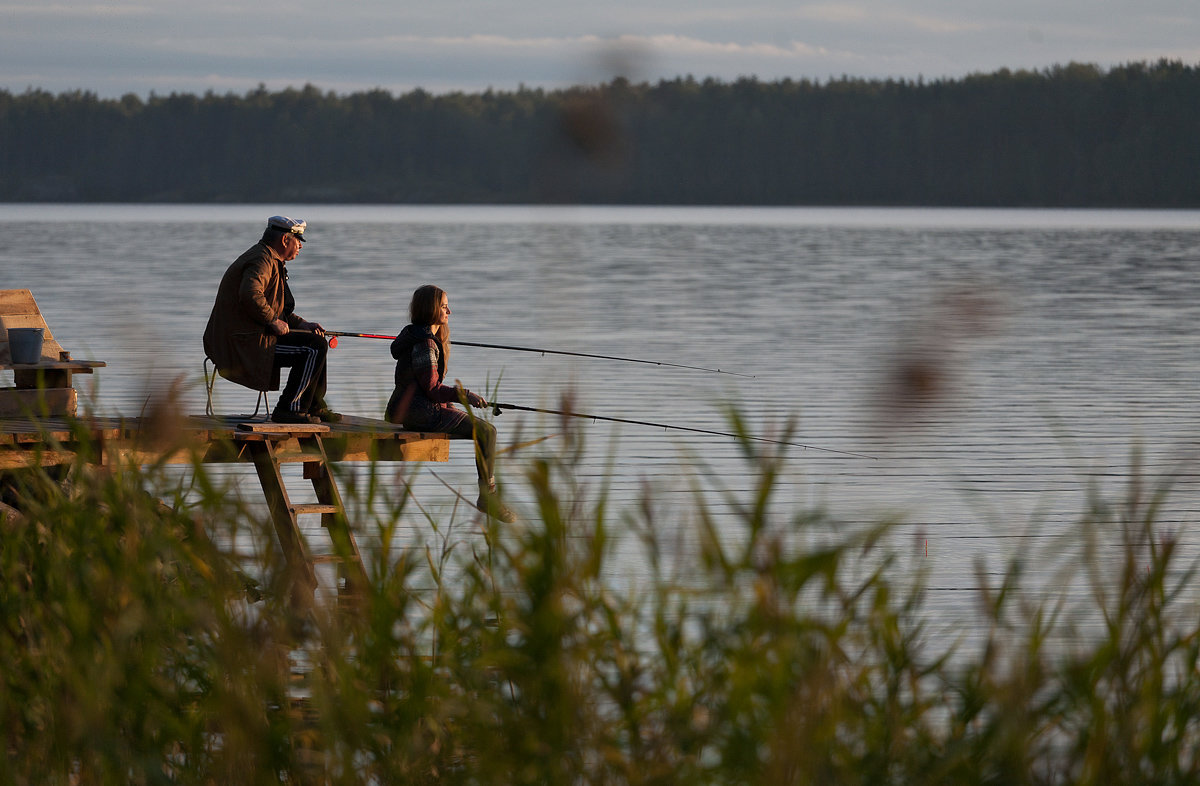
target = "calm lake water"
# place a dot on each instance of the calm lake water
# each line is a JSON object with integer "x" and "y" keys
{"x": 998, "y": 365}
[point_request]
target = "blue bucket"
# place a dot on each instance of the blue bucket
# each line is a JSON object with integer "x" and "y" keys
{"x": 25, "y": 344}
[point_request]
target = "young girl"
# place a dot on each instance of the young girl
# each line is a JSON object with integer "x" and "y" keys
{"x": 422, "y": 402}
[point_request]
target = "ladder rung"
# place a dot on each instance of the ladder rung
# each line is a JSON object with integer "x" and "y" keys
{"x": 321, "y": 559}
{"x": 284, "y": 457}
{"x": 315, "y": 508}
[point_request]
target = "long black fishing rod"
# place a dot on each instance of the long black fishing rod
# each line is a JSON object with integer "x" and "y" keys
{"x": 541, "y": 351}
{"x": 497, "y": 408}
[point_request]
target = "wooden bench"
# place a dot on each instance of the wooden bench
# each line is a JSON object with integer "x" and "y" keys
{"x": 43, "y": 388}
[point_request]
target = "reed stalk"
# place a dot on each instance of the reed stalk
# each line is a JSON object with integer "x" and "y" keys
{"x": 141, "y": 646}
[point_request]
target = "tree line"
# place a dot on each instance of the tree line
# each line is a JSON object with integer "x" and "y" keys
{"x": 1072, "y": 135}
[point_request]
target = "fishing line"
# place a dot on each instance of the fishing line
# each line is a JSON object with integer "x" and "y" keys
{"x": 498, "y": 407}
{"x": 542, "y": 351}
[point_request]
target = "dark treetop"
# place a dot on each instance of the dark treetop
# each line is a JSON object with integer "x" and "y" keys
{"x": 1073, "y": 135}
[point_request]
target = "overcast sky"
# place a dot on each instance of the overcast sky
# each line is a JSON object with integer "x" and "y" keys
{"x": 193, "y": 46}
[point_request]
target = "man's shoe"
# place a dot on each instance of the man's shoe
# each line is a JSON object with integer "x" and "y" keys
{"x": 490, "y": 504}
{"x": 295, "y": 417}
{"x": 326, "y": 415}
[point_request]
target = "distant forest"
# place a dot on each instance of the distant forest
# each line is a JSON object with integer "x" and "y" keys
{"x": 1073, "y": 135}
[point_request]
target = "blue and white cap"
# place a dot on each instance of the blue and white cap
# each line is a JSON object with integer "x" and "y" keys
{"x": 285, "y": 224}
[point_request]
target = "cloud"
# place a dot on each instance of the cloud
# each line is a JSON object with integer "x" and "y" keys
{"x": 77, "y": 12}
{"x": 666, "y": 45}
{"x": 180, "y": 45}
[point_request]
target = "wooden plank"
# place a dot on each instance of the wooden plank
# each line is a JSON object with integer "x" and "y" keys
{"x": 14, "y": 451}
{"x": 37, "y": 377}
{"x": 216, "y": 440}
{"x": 82, "y": 366}
{"x": 434, "y": 448}
{"x": 34, "y": 320}
{"x": 294, "y": 452}
{"x": 18, "y": 309}
{"x": 59, "y": 429}
{"x": 19, "y": 459}
{"x": 368, "y": 439}
{"x": 284, "y": 428}
{"x": 17, "y": 301}
{"x": 27, "y": 402}
{"x": 17, "y": 430}
{"x": 310, "y": 508}
{"x": 358, "y": 423}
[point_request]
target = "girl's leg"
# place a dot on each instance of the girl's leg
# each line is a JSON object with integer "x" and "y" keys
{"x": 485, "y": 454}
{"x": 484, "y": 435}
{"x": 459, "y": 423}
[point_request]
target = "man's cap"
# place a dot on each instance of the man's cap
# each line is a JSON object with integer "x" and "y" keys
{"x": 285, "y": 224}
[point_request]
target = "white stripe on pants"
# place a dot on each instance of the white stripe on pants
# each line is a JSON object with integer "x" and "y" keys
{"x": 305, "y": 370}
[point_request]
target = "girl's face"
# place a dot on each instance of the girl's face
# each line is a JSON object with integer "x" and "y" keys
{"x": 441, "y": 316}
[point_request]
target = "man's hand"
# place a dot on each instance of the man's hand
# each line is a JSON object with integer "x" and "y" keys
{"x": 279, "y": 327}
{"x": 314, "y": 327}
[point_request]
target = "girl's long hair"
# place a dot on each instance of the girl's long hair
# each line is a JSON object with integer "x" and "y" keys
{"x": 423, "y": 310}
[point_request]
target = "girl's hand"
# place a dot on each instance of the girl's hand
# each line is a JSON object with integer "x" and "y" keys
{"x": 476, "y": 400}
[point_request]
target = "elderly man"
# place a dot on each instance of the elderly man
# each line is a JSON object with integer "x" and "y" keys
{"x": 253, "y": 330}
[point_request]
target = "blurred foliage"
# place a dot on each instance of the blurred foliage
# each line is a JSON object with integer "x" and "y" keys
{"x": 787, "y": 649}
{"x": 1073, "y": 135}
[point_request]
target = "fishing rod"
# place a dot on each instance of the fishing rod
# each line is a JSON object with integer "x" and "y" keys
{"x": 335, "y": 333}
{"x": 497, "y": 408}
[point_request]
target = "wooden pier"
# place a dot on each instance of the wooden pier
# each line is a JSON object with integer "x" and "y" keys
{"x": 64, "y": 441}
{"x": 216, "y": 439}
{"x": 39, "y": 426}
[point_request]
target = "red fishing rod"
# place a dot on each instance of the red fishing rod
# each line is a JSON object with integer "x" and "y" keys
{"x": 335, "y": 333}
{"x": 497, "y": 408}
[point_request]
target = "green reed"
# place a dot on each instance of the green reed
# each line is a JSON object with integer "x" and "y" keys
{"x": 788, "y": 649}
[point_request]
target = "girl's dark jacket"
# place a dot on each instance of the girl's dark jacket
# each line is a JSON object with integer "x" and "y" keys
{"x": 420, "y": 369}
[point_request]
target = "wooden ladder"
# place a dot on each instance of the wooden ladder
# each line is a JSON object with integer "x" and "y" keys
{"x": 272, "y": 445}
